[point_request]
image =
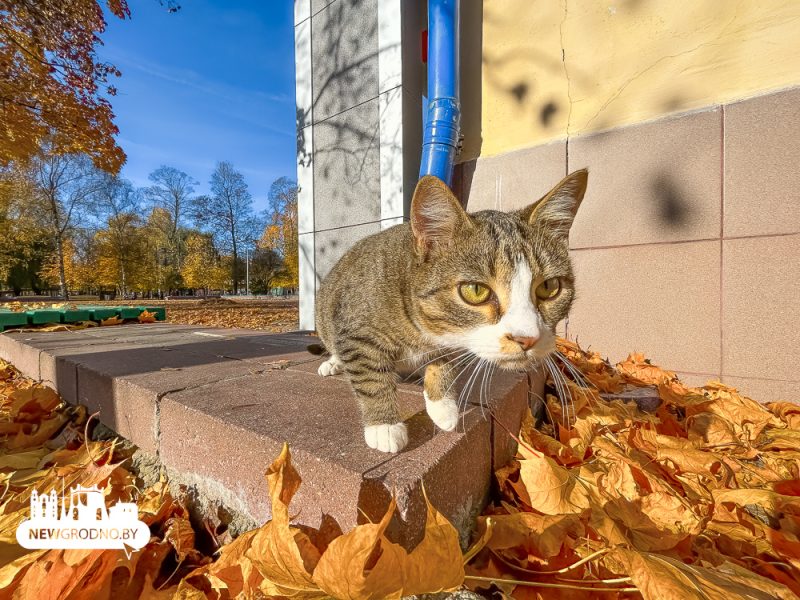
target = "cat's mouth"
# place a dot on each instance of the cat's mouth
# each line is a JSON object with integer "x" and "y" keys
{"x": 522, "y": 361}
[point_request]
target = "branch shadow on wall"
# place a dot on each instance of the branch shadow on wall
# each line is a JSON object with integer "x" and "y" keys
{"x": 345, "y": 112}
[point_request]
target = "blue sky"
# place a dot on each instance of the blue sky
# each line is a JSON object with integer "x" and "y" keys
{"x": 214, "y": 81}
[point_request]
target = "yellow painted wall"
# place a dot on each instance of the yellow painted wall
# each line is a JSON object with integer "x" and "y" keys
{"x": 624, "y": 61}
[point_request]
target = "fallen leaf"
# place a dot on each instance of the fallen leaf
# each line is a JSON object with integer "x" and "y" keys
{"x": 551, "y": 488}
{"x": 364, "y": 565}
{"x": 147, "y": 317}
{"x": 663, "y": 578}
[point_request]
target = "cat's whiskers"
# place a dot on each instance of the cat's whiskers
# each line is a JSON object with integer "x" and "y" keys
{"x": 487, "y": 387}
{"x": 564, "y": 393}
{"x": 467, "y": 390}
{"x": 464, "y": 363}
{"x": 576, "y": 375}
{"x": 569, "y": 399}
{"x": 437, "y": 352}
{"x": 435, "y": 358}
{"x": 463, "y": 397}
{"x": 472, "y": 358}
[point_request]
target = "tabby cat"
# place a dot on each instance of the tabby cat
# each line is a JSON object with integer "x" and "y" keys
{"x": 489, "y": 285}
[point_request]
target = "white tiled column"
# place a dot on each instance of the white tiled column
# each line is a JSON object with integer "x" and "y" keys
{"x": 305, "y": 167}
{"x": 391, "y": 111}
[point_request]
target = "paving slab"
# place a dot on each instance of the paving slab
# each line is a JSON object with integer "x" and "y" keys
{"x": 216, "y": 405}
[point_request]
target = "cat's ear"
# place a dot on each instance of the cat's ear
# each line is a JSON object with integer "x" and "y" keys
{"x": 436, "y": 214}
{"x": 557, "y": 209}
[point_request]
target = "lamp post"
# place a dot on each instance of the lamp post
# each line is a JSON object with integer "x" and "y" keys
{"x": 247, "y": 271}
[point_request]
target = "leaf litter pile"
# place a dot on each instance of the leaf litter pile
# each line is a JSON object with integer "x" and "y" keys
{"x": 275, "y": 315}
{"x": 696, "y": 497}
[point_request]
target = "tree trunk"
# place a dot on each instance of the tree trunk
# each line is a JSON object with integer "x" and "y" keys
{"x": 122, "y": 275}
{"x": 62, "y": 273}
{"x": 235, "y": 269}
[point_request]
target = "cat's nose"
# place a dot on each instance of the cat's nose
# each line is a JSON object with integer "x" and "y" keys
{"x": 525, "y": 342}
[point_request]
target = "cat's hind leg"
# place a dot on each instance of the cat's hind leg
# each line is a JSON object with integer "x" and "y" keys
{"x": 332, "y": 366}
{"x": 440, "y": 401}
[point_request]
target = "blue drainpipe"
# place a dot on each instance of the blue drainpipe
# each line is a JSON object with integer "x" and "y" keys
{"x": 443, "y": 115}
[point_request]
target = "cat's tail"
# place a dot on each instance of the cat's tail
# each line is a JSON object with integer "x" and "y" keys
{"x": 316, "y": 349}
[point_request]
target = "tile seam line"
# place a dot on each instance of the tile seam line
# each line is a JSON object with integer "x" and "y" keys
{"x": 696, "y": 373}
{"x": 328, "y": 5}
{"x": 349, "y": 108}
{"x": 639, "y": 245}
{"x": 722, "y": 242}
{"x": 376, "y": 222}
{"x": 676, "y": 242}
{"x": 795, "y": 381}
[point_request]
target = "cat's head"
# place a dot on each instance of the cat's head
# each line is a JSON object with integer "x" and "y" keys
{"x": 494, "y": 283}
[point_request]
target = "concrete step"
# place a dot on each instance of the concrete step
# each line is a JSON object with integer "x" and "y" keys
{"x": 215, "y": 406}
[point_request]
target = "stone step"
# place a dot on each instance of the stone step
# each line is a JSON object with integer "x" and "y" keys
{"x": 214, "y": 406}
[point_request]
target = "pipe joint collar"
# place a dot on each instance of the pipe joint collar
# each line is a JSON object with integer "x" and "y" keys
{"x": 442, "y": 125}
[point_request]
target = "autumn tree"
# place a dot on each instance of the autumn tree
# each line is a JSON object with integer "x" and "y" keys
{"x": 202, "y": 268}
{"x": 52, "y": 85}
{"x": 161, "y": 244}
{"x": 266, "y": 268}
{"x": 172, "y": 192}
{"x": 227, "y": 213}
{"x": 24, "y": 243}
{"x": 117, "y": 204}
{"x": 281, "y": 231}
{"x": 79, "y": 267}
{"x": 65, "y": 186}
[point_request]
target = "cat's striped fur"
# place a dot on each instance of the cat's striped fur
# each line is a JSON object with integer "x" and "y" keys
{"x": 398, "y": 296}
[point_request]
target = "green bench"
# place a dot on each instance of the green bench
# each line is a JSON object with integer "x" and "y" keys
{"x": 9, "y": 318}
{"x": 41, "y": 316}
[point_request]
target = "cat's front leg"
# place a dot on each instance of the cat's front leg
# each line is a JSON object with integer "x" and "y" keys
{"x": 374, "y": 382}
{"x": 440, "y": 401}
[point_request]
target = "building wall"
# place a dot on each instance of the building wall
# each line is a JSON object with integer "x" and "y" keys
{"x": 553, "y": 68}
{"x": 358, "y": 123}
{"x": 687, "y": 114}
{"x": 687, "y": 244}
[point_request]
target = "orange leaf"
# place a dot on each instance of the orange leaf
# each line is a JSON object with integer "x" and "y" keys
{"x": 640, "y": 371}
{"x": 282, "y": 554}
{"x": 364, "y": 565}
{"x": 539, "y": 535}
{"x": 552, "y": 489}
{"x": 181, "y": 535}
{"x": 147, "y": 317}
{"x": 664, "y": 578}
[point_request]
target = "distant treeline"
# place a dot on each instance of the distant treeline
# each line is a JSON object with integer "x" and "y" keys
{"x": 67, "y": 225}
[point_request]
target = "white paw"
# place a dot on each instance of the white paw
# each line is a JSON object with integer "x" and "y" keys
{"x": 443, "y": 412}
{"x": 332, "y": 366}
{"x": 385, "y": 437}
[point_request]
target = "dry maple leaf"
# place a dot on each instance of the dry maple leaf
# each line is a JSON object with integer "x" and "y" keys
{"x": 552, "y": 489}
{"x": 788, "y": 412}
{"x": 282, "y": 554}
{"x": 364, "y": 565}
{"x": 640, "y": 371}
{"x": 181, "y": 535}
{"x": 541, "y": 536}
{"x": 663, "y": 578}
{"x": 115, "y": 320}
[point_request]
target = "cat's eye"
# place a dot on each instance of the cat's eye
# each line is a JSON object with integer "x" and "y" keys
{"x": 548, "y": 289}
{"x": 474, "y": 293}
